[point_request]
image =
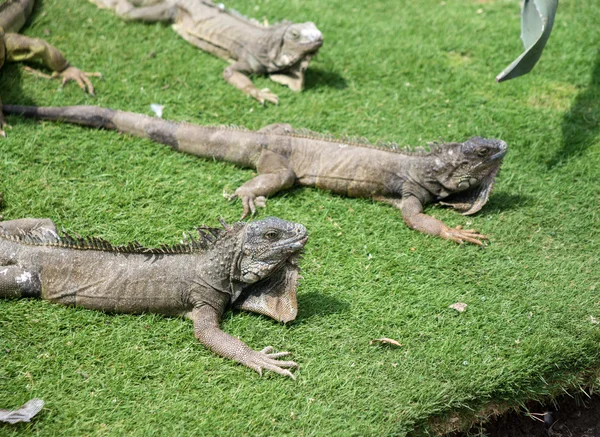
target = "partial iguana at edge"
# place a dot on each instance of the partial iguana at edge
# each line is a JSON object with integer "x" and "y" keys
{"x": 457, "y": 174}
{"x": 251, "y": 266}
{"x": 282, "y": 51}
{"x": 17, "y": 48}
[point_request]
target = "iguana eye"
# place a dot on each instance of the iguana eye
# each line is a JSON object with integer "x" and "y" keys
{"x": 482, "y": 152}
{"x": 272, "y": 234}
{"x": 294, "y": 34}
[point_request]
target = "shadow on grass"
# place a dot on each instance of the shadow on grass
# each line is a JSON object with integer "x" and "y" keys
{"x": 504, "y": 202}
{"x": 11, "y": 88}
{"x": 317, "y": 78}
{"x": 581, "y": 124}
{"x": 316, "y": 304}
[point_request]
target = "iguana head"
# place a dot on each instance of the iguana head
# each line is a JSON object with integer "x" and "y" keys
{"x": 268, "y": 263}
{"x": 466, "y": 171}
{"x": 299, "y": 40}
{"x": 293, "y": 51}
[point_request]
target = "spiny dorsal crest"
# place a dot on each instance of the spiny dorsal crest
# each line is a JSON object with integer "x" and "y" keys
{"x": 207, "y": 237}
{"x": 235, "y": 13}
{"x": 355, "y": 141}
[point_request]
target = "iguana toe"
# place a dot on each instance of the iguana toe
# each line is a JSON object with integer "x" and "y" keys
{"x": 3, "y": 126}
{"x": 81, "y": 77}
{"x": 249, "y": 202}
{"x": 460, "y": 235}
{"x": 267, "y": 360}
{"x": 265, "y": 95}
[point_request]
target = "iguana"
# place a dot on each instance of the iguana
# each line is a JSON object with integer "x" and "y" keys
{"x": 457, "y": 174}
{"x": 251, "y": 266}
{"x": 282, "y": 50}
{"x": 16, "y": 48}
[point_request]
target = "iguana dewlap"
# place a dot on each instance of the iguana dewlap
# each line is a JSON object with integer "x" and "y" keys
{"x": 250, "y": 266}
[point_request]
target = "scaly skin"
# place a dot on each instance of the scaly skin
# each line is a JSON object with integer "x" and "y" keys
{"x": 457, "y": 174}
{"x": 282, "y": 51}
{"x": 250, "y": 266}
{"x": 18, "y": 48}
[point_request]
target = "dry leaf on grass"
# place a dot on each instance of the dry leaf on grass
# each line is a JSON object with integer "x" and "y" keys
{"x": 385, "y": 340}
{"x": 459, "y": 306}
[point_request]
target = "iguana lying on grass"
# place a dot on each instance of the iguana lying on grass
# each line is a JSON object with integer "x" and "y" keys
{"x": 18, "y": 48}
{"x": 282, "y": 51}
{"x": 457, "y": 174}
{"x": 252, "y": 266}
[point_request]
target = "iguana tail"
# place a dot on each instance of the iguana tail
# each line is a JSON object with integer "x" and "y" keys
{"x": 215, "y": 142}
{"x": 14, "y": 14}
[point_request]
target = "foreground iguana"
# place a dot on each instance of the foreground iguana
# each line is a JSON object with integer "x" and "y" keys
{"x": 457, "y": 174}
{"x": 252, "y": 266}
{"x": 282, "y": 51}
{"x": 16, "y": 48}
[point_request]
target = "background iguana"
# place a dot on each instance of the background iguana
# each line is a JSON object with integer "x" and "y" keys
{"x": 457, "y": 174}
{"x": 252, "y": 266}
{"x": 16, "y": 48}
{"x": 282, "y": 50}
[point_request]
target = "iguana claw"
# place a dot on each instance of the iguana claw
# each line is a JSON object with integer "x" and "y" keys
{"x": 81, "y": 77}
{"x": 265, "y": 94}
{"x": 70, "y": 73}
{"x": 267, "y": 360}
{"x": 249, "y": 201}
{"x": 460, "y": 235}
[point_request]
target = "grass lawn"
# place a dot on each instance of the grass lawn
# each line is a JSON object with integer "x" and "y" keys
{"x": 404, "y": 71}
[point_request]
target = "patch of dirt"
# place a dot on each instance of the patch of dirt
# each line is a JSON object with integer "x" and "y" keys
{"x": 565, "y": 417}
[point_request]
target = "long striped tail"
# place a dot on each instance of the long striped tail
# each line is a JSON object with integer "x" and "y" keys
{"x": 215, "y": 142}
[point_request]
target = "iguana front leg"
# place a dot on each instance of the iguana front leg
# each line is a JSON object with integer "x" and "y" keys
{"x": 236, "y": 75}
{"x": 412, "y": 213}
{"x": 274, "y": 174}
{"x": 208, "y": 332}
{"x": 21, "y": 48}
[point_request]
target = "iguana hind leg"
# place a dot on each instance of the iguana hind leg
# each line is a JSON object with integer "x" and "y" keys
{"x": 21, "y": 48}
{"x": 274, "y": 174}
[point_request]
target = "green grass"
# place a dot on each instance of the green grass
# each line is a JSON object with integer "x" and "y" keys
{"x": 405, "y": 71}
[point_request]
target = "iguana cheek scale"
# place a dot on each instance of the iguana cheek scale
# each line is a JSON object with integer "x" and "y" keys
{"x": 457, "y": 174}
{"x": 198, "y": 278}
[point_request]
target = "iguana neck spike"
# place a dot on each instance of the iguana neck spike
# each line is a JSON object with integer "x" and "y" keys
{"x": 224, "y": 224}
